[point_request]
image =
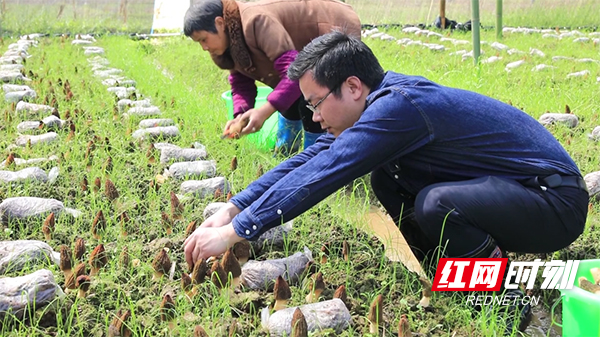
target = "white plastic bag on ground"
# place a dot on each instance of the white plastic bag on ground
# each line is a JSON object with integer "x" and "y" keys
{"x": 24, "y": 208}
{"x": 569, "y": 120}
{"x": 16, "y": 96}
{"x": 30, "y": 173}
{"x": 592, "y": 181}
{"x": 93, "y": 51}
{"x": 15, "y": 87}
{"x": 29, "y": 126}
{"x": 205, "y": 187}
{"x": 17, "y": 293}
{"x": 153, "y": 133}
{"x": 143, "y": 111}
{"x": 33, "y": 109}
{"x": 32, "y": 161}
{"x": 81, "y": 42}
{"x": 331, "y": 314}
{"x": 151, "y": 123}
{"x": 15, "y": 255}
{"x": 175, "y": 153}
{"x": 262, "y": 274}
{"x": 197, "y": 169}
{"x": 126, "y": 103}
{"x": 41, "y": 139}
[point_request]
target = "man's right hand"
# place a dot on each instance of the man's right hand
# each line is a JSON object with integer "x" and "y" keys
{"x": 234, "y": 127}
{"x": 222, "y": 217}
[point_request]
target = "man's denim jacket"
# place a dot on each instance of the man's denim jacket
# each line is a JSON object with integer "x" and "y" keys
{"x": 419, "y": 132}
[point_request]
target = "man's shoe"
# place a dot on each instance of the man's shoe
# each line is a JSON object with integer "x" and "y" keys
{"x": 517, "y": 315}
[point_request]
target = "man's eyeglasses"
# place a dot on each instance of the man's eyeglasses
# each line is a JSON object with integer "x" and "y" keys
{"x": 313, "y": 108}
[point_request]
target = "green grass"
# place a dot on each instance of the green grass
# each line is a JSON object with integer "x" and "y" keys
{"x": 181, "y": 79}
{"x": 22, "y": 17}
{"x": 524, "y": 13}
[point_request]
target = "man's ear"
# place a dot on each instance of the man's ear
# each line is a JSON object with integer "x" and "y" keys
{"x": 355, "y": 86}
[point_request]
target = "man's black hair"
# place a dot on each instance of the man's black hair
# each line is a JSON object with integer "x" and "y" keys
{"x": 201, "y": 16}
{"x": 333, "y": 58}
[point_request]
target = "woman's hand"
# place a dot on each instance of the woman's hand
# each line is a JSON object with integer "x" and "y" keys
{"x": 209, "y": 241}
{"x": 256, "y": 118}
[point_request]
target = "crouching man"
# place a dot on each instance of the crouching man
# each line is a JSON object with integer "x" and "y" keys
{"x": 455, "y": 169}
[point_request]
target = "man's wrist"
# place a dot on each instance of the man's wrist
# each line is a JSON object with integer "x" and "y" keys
{"x": 230, "y": 235}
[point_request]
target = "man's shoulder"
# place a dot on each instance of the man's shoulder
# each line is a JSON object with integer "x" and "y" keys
{"x": 398, "y": 83}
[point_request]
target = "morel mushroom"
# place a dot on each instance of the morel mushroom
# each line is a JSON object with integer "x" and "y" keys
{"x": 232, "y": 328}
{"x": 150, "y": 154}
{"x": 404, "y": 327}
{"x": 375, "y": 314}
{"x": 345, "y": 250}
{"x": 218, "y": 194}
{"x": 317, "y": 285}
{"x": 48, "y": 227}
{"x": 191, "y": 227}
{"x": 585, "y": 284}
{"x": 186, "y": 284}
{"x": 324, "y": 253}
{"x": 161, "y": 264}
{"x": 83, "y": 283}
{"x": 167, "y": 310}
{"x": 97, "y": 184}
{"x": 341, "y": 293}
{"x": 176, "y": 207}
{"x": 282, "y": 293}
{"x": 124, "y": 258}
{"x": 79, "y": 249}
{"x": 84, "y": 184}
{"x": 108, "y": 165}
{"x": 218, "y": 275}
{"x": 66, "y": 262}
{"x": 309, "y": 269}
{"x": 199, "y": 271}
{"x": 124, "y": 221}
{"x": 426, "y": 293}
{"x": 199, "y": 331}
{"x": 71, "y": 134}
{"x": 260, "y": 171}
{"x": 118, "y": 327}
{"x": 231, "y": 266}
{"x": 595, "y": 275}
{"x": 71, "y": 281}
{"x": 299, "y": 325}
{"x": 229, "y": 196}
{"x": 98, "y": 259}
{"x": 10, "y": 159}
{"x": 99, "y": 224}
{"x": 110, "y": 190}
{"x": 234, "y": 163}
{"x": 241, "y": 250}
{"x": 166, "y": 223}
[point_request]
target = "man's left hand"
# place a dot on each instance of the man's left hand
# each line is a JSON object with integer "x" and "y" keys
{"x": 209, "y": 241}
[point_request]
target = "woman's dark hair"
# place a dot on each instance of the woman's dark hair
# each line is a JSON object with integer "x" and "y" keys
{"x": 333, "y": 58}
{"x": 201, "y": 16}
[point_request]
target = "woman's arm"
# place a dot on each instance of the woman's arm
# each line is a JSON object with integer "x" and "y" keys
{"x": 243, "y": 92}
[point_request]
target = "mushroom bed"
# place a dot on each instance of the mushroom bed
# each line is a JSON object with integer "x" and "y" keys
{"x": 112, "y": 156}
